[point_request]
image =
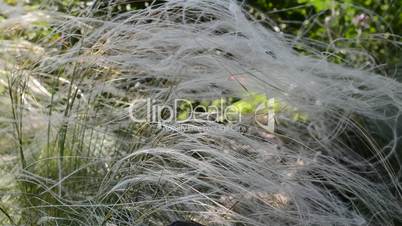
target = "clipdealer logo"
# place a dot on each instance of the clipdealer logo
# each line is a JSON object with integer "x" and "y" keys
{"x": 151, "y": 111}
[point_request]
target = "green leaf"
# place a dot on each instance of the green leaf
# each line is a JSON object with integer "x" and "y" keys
{"x": 319, "y": 5}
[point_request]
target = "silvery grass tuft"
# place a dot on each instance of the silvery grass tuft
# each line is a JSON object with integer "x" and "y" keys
{"x": 88, "y": 163}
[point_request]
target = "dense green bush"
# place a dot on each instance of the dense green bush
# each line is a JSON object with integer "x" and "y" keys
{"x": 360, "y": 32}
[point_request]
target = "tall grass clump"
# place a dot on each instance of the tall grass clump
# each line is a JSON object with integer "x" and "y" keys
{"x": 84, "y": 161}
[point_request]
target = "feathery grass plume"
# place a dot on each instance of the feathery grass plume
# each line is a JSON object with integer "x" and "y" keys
{"x": 95, "y": 166}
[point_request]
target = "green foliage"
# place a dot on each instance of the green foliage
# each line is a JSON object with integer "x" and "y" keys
{"x": 319, "y": 5}
{"x": 360, "y": 33}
